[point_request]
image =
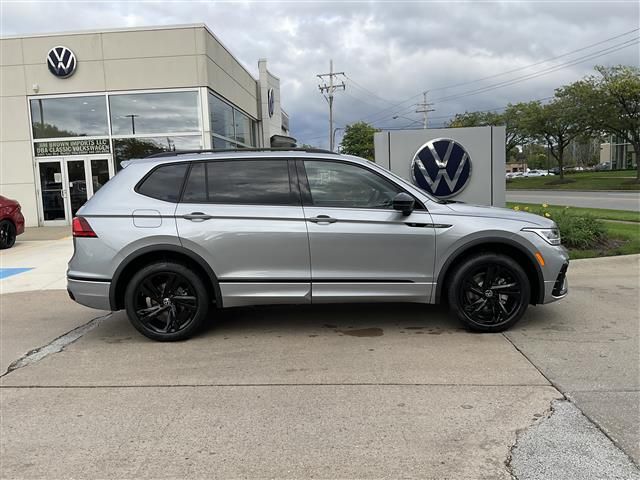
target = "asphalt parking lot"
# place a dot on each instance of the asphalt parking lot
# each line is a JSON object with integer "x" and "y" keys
{"x": 341, "y": 391}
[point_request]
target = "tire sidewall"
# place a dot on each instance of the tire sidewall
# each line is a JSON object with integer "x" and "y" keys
{"x": 11, "y": 240}
{"x": 478, "y": 261}
{"x": 167, "y": 267}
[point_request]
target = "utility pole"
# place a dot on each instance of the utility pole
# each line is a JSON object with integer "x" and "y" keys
{"x": 424, "y": 108}
{"x": 327, "y": 91}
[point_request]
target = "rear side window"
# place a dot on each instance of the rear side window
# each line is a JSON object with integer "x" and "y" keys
{"x": 262, "y": 182}
{"x": 164, "y": 183}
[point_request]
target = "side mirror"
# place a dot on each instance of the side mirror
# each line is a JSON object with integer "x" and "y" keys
{"x": 403, "y": 202}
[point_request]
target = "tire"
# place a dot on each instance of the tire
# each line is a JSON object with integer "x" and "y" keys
{"x": 7, "y": 234}
{"x": 475, "y": 301}
{"x": 166, "y": 316}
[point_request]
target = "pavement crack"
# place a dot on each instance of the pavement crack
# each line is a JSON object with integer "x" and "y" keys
{"x": 55, "y": 346}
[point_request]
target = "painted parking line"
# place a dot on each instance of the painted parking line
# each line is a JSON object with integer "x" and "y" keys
{"x": 8, "y": 272}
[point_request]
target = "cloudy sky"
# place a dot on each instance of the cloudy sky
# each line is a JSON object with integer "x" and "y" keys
{"x": 389, "y": 51}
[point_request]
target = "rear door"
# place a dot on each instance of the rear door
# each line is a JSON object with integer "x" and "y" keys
{"x": 361, "y": 248}
{"x": 245, "y": 218}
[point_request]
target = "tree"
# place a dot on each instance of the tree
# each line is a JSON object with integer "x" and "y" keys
{"x": 358, "y": 140}
{"x": 609, "y": 103}
{"x": 553, "y": 123}
{"x": 511, "y": 117}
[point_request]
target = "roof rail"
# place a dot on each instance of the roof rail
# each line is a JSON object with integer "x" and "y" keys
{"x": 240, "y": 150}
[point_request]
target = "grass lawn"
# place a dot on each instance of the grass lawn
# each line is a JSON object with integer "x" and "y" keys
{"x": 601, "y": 213}
{"x": 614, "y": 180}
{"x": 623, "y": 238}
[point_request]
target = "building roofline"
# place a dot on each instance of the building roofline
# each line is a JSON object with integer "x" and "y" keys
{"x": 131, "y": 29}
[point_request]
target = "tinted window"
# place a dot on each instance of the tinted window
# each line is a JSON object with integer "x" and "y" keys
{"x": 221, "y": 117}
{"x": 264, "y": 182}
{"x": 69, "y": 117}
{"x": 162, "y": 112}
{"x": 164, "y": 183}
{"x": 334, "y": 184}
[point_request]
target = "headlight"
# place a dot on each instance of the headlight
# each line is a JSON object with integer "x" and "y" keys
{"x": 550, "y": 235}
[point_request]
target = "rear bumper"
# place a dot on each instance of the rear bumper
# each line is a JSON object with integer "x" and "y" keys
{"x": 94, "y": 294}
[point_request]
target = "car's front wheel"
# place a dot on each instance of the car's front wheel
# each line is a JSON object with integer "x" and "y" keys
{"x": 166, "y": 301}
{"x": 489, "y": 292}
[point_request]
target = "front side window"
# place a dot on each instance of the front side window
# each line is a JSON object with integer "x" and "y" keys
{"x": 165, "y": 182}
{"x": 250, "y": 182}
{"x": 334, "y": 184}
{"x": 161, "y": 112}
{"x": 69, "y": 117}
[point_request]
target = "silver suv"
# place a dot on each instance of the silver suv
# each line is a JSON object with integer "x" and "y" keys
{"x": 171, "y": 236}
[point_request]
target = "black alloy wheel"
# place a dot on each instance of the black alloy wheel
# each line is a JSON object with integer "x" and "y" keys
{"x": 166, "y": 301}
{"x": 7, "y": 234}
{"x": 489, "y": 292}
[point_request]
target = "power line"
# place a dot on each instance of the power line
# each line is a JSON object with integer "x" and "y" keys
{"x": 535, "y": 64}
{"x": 524, "y": 78}
{"x": 424, "y": 109}
{"x": 386, "y": 109}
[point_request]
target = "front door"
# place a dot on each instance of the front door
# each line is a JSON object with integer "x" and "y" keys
{"x": 361, "y": 248}
{"x": 67, "y": 183}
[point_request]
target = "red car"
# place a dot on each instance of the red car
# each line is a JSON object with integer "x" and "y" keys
{"x": 11, "y": 222}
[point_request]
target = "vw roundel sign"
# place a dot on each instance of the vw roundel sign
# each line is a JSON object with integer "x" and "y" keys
{"x": 442, "y": 167}
{"x": 61, "y": 62}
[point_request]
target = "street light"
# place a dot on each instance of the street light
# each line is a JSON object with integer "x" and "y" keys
{"x": 133, "y": 122}
{"x": 333, "y": 134}
{"x": 395, "y": 117}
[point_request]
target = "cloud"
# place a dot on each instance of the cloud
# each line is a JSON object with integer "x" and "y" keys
{"x": 393, "y": 51}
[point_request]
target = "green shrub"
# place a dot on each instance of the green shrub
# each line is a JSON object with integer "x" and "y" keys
{"x": 580, "y": 232}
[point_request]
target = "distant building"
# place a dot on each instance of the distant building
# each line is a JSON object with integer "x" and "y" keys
{"x": 515, "y": 167}
{"x": 75, "y": 105}
{"x": 618, "y": 154}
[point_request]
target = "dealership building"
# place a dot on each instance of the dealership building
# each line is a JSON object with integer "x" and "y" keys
{"x": 75, "y": 105}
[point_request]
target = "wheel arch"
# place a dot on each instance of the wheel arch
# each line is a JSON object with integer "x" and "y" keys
{"x": 153, "y": 253}
{"x": 499, "y": 245}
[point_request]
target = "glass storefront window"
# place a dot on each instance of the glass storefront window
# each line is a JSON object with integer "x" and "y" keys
{"x": 144, "y": 113}
{"x": 69, "y": 117}
{"x": 222, "y": 143}
{"x": 221, "y": 116}
{"x": 128, "y": 148}
{"x": 244, "y": 128}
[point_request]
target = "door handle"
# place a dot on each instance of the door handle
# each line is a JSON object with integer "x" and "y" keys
{"x": 196, "y": 216}
{"x": 322, "y": 219}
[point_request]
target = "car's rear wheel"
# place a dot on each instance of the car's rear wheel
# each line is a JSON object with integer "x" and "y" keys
{"x": 489, "y": 292}
{"x": 7, "y": 234}
{"x": 166, "y": 301}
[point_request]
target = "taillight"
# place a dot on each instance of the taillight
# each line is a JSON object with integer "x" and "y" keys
{"x": 81, "y": 228}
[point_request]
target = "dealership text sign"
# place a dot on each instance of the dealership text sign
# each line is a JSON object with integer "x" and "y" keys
{"x": 72, "y": 147}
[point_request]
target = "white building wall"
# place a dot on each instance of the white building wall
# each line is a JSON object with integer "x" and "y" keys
{"x": 112, "y": 60}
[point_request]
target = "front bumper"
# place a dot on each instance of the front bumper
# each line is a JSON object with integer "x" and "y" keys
{"x": 558, "y": 288}
{"x": 94, "y": 294}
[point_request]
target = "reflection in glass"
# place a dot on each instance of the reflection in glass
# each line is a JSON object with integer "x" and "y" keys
{"x": 99, "y": 173}
{"x": 77, "y": 185}
{"x": 161, "y": 112}
{"x": 51, "y": 187}
{"x": 221, "y": 116}
{"x": 131, "y": 148}
{"x": 220, "y": 143}
{"x": 244, "y": 130}
{"x": 69, "y": 117}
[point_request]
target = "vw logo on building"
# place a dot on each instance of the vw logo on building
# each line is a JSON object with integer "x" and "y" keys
{"x": 271, "y": 101}
{"x": 61, "y": 62}
{"x": 442, "y": 167}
